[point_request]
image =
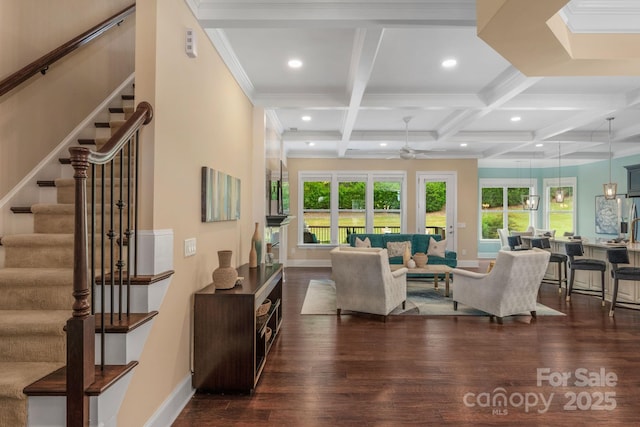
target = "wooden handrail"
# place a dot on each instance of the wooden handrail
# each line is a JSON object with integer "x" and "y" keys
{"x": 41, "y": 65}
{"x": 81, "y": 326}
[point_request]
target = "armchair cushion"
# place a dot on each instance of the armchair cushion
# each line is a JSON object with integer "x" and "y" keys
{"x": 511, "y": 287}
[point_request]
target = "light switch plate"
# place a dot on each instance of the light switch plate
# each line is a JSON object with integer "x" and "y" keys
{"x": 190, "y": 247}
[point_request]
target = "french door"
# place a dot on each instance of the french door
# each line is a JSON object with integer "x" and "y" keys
{"x": 436, "y": 196}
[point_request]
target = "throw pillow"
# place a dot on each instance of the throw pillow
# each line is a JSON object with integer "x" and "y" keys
{"x": 366, "y": 243}
{"x": 436, "y": 248}
{"x": 397, "y": 248}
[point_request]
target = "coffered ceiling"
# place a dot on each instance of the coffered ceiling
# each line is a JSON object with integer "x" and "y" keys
{"x": 562, "y": 68}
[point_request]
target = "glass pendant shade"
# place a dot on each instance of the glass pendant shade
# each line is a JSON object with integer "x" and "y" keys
{"x": 530, "y": 202}
{"x": 610, "y": 190}
{"x": 559, "y": 195}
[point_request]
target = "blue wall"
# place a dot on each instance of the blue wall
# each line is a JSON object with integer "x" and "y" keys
{"x": 589, "y": 184}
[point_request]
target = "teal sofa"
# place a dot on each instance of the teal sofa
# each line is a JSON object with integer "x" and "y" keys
{"x": 419, "y": 243}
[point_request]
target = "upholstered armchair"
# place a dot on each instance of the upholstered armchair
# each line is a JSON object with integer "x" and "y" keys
{"x": 511, "y": 287}
{"x": 365, "y": 282}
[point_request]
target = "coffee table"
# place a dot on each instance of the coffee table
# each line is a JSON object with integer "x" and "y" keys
{"x": 435, "y": 269}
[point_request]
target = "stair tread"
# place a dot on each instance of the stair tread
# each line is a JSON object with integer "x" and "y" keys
{"x": 21, "y": 209}
{"x": 36, "y": 322}
{"x": 14, "y": 376}
{"x": 39, "y": 239}
{"x": 35, "y": 276}
{"x": 55, "y": 384}
{"x": 53, "y": 208}
{"x": 126, "y": 324}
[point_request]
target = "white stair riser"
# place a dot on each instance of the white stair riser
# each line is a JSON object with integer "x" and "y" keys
{"x": 123, "y": 348}
{"x": 143, "y": 298}
{"x": 51, "y": 411}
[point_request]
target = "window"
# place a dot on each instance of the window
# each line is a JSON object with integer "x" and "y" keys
{"x": 560, "y": 216}
{"x": 501, "y": 206}
{"x": 352, "y": 216}
{"x": 335, "y": 204}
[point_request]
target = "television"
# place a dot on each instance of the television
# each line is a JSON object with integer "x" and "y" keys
{"x": 278, "y": 195}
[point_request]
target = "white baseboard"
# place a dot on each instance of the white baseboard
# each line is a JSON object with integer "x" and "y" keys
{"x": 173, "y": 405}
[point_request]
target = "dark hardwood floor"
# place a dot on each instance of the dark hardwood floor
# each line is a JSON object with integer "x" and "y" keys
{"x": 358, "y": 371}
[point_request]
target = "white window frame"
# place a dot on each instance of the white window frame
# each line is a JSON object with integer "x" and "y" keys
{"x": 504, "y": 183}
{"x": 569, "y": 181}
{"x": 349, "y": 176}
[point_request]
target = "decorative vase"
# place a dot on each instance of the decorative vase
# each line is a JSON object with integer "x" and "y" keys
{"x": 421, "y": 259}
{"x": 253, "y": 255}
{"x": 406, "y": 256}
{"x": 256, "y": 245}
{"x": 411, "y": 264}
{"x": 225, "y": 276}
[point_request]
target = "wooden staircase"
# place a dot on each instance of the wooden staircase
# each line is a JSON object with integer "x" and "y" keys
{"x": 36, "y": 297}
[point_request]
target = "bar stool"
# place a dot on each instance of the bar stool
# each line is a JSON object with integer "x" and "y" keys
{"x": 620, "y": 256}
{"x": 557, "y": 258}
{"x": 573, "y": 250}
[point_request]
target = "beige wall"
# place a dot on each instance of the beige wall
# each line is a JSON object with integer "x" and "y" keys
{"x": 467, "y": 200}
{"x": 39, "y": 114}
{"x": 202, "y": 118}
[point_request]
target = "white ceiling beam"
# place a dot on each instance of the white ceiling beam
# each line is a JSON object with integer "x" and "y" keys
{"x": 564, "y": 102}
{"x": 503, "y": 88}
{"x": 334, "y": 14}
{"x": 365, "y": 50}
{"x": 326, "y": 100}
{"x": 571, "y": 123}
{"x": 426, "y": 101}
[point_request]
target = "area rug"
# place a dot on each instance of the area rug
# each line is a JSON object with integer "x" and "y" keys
{"x": 422, "y": 300}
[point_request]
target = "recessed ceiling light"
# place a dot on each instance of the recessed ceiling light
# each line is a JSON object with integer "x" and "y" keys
{"x": 449, "y": 63}
{"x": 294, "y": 63}
{"x": 306, "y": 118}
{"x": 516, "y": 118}
{"x": 310, "y": 144}
{"x": 464, "y": 144}
{"x": 383, "y": 144}
{"x": 539, "y": 145}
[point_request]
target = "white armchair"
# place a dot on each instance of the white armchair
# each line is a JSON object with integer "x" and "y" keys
{"x": 503, "y": 233}
{"x": 511, "y": 287}
{"x": 365, "y": 282}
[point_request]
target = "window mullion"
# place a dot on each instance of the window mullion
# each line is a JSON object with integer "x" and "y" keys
{"x": 334, "y": 209}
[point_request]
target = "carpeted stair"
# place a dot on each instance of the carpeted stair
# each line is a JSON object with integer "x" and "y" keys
{"x": 36, "y": 286}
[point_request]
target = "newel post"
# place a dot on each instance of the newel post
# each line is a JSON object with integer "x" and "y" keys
{"x": 81, "y": 326}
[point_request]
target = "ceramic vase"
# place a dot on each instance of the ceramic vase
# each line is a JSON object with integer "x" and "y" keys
{"x": 256, "y": 245}
{"x": 406, "y": 257}
{"x": 253, "y": 256}
{"x": 421, "y": 259}
{"x": 225, "y": 276}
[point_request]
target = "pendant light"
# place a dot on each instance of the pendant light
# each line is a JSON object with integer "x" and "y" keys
{"x": 559, "y": 196}
{"x": 530, "y": 201}
{"x": 611, "y": 188}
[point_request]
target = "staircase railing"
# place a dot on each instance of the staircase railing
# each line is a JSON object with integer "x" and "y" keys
{"x": 42, "y": 64}
{"x": 105, "y": 251}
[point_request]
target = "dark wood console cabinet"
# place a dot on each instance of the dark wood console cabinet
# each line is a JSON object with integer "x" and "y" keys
{"x": 230, "y": 343}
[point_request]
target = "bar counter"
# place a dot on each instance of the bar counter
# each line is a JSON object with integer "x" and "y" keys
{"x": 628, "y": 291}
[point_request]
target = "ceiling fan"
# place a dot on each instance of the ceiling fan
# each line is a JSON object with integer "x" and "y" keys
{"x": 406, "y": 152}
